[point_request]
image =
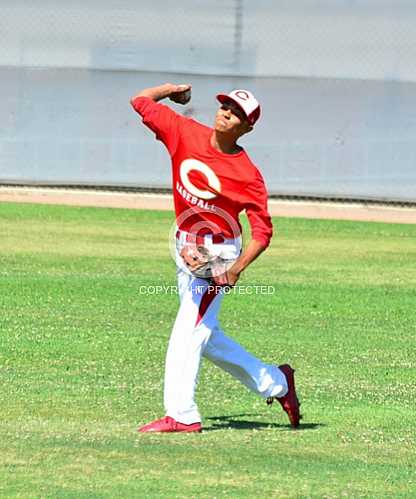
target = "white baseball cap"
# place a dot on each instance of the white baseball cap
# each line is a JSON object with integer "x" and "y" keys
{"x": 245, "y": 101}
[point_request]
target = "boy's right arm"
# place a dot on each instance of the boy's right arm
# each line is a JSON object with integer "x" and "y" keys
{"x": 162, "y": 120}
{"x": 177, "y": 93}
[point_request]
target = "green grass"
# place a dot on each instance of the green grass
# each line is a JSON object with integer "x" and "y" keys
{"x": 82, "y": 353}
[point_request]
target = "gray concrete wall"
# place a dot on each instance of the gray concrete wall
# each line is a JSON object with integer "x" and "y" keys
{"x": 365, "y": 39}
{"x": 315, "y": 137}
{"x": 343, "y": 127}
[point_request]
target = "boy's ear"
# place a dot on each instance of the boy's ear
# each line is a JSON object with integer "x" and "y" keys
{"x": 248, "y": 129}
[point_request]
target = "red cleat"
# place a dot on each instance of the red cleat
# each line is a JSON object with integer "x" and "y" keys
{"x": 289, "y": 402}
{"x": 169, "y": 425}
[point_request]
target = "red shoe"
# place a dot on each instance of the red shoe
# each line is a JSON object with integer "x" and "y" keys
{"x": 169, "y": 425}
{"x": 289, "y": 402}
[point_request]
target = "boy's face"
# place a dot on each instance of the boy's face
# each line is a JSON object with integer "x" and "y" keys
{"x": 231, "y": 119}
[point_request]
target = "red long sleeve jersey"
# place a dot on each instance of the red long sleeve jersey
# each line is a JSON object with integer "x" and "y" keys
{"x": 210, "y": 188}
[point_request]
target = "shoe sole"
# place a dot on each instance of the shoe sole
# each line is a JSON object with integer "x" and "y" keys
{"x": 170, "y": 431}
{"x": 295, "y": 422}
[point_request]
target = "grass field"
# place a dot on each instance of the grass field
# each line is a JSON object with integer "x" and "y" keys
{"x": 82, "y": 351}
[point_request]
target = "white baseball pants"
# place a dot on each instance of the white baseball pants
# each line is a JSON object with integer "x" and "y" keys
{"x": 197, "y": 333}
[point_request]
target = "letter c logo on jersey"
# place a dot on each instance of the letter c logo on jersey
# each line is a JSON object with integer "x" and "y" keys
{"x": 213, "y": 181}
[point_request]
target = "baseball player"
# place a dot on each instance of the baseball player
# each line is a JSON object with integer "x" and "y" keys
{"x": 213, "y": 181}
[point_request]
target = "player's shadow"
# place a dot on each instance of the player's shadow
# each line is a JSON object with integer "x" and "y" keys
{"x": 230, "y": 421}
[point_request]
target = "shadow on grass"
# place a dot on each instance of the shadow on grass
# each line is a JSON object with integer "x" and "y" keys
{"x": 224, "y": 422}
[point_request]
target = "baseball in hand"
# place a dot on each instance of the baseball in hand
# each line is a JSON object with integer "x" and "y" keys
{"x": 181, "y": 96}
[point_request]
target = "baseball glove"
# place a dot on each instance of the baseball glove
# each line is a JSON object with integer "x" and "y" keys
{"x": 196, "y": 258}
{"x": 201, "y": 263}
